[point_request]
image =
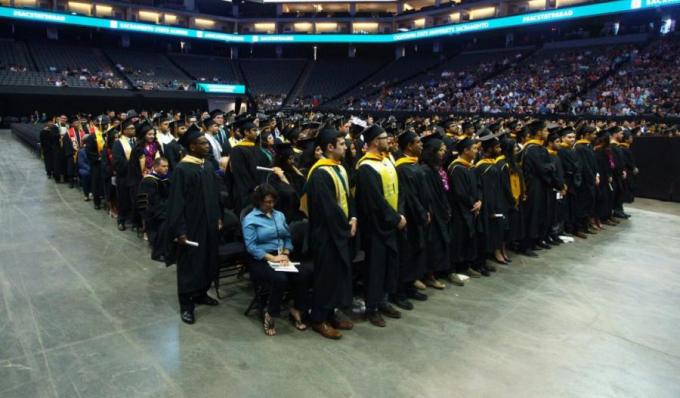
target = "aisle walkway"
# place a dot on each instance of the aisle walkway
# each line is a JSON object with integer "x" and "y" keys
{"x": 85, "y": 313}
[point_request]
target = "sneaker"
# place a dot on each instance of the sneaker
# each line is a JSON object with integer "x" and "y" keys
{"x": 456, "y": 280}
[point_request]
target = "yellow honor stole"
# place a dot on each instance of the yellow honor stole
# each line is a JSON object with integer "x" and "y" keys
{"x": 388, "y": 176}
{"x": 340, "y": 180}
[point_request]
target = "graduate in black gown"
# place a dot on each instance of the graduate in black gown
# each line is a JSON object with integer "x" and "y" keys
{"x": 465, "y": 200}
{"x": 121, "y": 155}
{"x": 512, "y": 194}
{"x": 94, "y": 148}
{"x": 193, "y": 215}
{"x": 438, "y": 231}
{"x": 243, "y": 161}
{"x": 332, "y": 224}
{"x": 289, "y": 183}
{"x": 377, "y": 200}
{"x": 620, "y": 173}
{"x": 629, "y": 166}
{"x": 573, "y": 178}
{"x": 538, "y": 171}
{"x": 557, "y": 192}
{"x": 47, "y": 147}
{"x": 491, "y": 215}
{"x": 606, "y": 164}
{"x": 173, "y": 151}
{"x": 153, "y": 192}
{"x": 412, "y": 240}
{"x": 586, "y": 194}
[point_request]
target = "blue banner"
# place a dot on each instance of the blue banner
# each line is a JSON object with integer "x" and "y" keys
{"x": 560, "y": 14}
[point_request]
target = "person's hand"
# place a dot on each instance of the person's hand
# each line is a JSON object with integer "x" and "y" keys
{"x": 182, "y": 240}
{"x": 428, "y": 220}
{"x": 220, "y": 224}
{"x": 636, "y": 171}
{"x": 476, "y": 207}
{"x": 281, "y": 259}
{"x": 597, "y": 180}
{"x": 353, "y": 227}
{"x": 625, "y": 174}
{"x": 402, "y": 222}
{"x": 610, "y": 179}
{"x": 278, "y": 171}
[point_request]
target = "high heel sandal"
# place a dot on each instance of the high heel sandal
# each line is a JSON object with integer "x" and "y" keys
{"x": 269, "y": 325}
{"x": 297, "y": 323}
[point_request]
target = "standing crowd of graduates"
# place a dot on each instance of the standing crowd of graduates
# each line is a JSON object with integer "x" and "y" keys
{"x": 389, "y": 208}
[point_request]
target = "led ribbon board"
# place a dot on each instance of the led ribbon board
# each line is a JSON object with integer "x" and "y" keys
{"x": 560, "y": 14}
{"x": 221, "y": 88}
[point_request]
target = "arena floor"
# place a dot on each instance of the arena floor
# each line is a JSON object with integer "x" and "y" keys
{"x": 84, "y": 312}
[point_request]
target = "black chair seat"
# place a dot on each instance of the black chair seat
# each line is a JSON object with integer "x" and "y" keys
{"x": 231, "y": 249}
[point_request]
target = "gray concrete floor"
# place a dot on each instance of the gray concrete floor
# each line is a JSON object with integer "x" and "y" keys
{"x": 85, "y": 313}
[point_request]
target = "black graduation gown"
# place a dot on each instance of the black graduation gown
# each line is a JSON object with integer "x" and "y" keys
{"x": 329, "y": 234}
{"x": 537, "y": 169}
{"x": 47, "y": 150}
{"x": 605, "y": 193}
{"x": 68, "y": 155}
{"x": 492, "y": 206}
{"x": 95, "y": 160}
{"x": 586, "y": 193}
{"x": 413, "y": 239}
{"x": 463, "y": 194}
{"x": 59, "y": 165}
{"x": 154, "y": 192}
{"x": 378, "y": 222}
{"x": 173, "y": 152}
{"x": 513, "y": 225}
{"x": 617, "y": 176}
{"x": 289, "y": 195}
{"x": 555, "y": 207}
{"x": 243, "y": 175}
{"x": 193, "y": 209}
{"x": 573, "y": 177}
{"x": 629, "y": 182}
{"x": 439, "y": 231}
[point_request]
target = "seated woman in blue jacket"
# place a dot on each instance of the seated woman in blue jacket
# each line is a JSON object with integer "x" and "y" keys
{"x": 267, "y": 238}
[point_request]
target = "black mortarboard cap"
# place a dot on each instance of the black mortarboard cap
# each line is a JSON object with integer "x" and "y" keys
{"x": 192, "y": 133}
{"x": 372, "y": 133}
{"x": 284, "y": 149}
{"x": 432, "y": 141}
{"x": 142, "y": 128}
{"x": 406, "y": 138}
{"x": 464, "y": 143}
{"x": 327, "y": 136}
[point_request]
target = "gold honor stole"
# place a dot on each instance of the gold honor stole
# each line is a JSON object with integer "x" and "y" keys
{"x": 192, "y": 160}
{"x": 388, "y": 176}
{"x": 406, "y": 160}
{"x": 340, "y": 180}
{"x": 125, "y": 142}
{"x": 515, "y": 180}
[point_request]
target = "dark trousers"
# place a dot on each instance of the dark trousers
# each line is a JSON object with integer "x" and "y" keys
{"x": 124, "y": 201}
{"x": 321, "y": 314}
{"x": 381, "y": 274}
{"x": 85, "y": 184}
{"x": 186, "y": 300}
{"x": 263, "y": 275}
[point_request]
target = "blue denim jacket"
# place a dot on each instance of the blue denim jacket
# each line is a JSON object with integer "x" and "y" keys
{"x": 264, "y": 234}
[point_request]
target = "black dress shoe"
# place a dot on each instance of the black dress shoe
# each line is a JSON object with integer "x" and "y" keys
{"x": 543, "y": 245}
{"x": 188, "y": 316}
{"x": 121, "y": 227}
{"x": 402, "y": 302}
{"x": 416, "y": 295}
{"x": 206, "y": 300}
{"x": 390, "y": 311}
{"x": 375, "y": 318}
{"x": 483, "y": 271}
{"x": 528, "y": 253}
{"x": 491, "y": 268}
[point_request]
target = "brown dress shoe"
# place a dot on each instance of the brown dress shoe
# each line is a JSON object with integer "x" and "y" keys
{"x": 376, "y": 319}
{"x": 580, "y": 234}
{"x": 326, "y": 330}
{"x": 342, "y": 324}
